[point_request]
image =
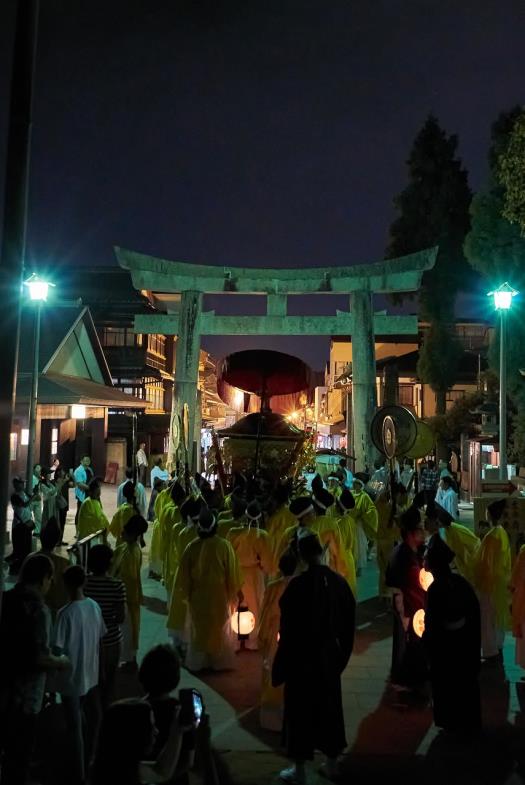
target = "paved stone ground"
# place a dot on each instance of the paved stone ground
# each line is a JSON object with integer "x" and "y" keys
{"x": 387, "y": 739}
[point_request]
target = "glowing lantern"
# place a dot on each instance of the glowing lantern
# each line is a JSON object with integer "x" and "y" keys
{"x": 242, "y": 622}
{"x": 418, "y": 622}
{"x": 426, "y": 579}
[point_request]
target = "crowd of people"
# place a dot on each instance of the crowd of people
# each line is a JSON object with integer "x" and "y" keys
{"x": 288, "y": 556}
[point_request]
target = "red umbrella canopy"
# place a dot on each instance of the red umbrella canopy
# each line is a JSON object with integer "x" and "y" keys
{"x": 262, "y": 371}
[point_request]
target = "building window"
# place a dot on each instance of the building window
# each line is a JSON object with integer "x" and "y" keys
{"x": 155, "y": 394}
{"x": 139, "y": 339}
{"x": 24, "y": 437}
{"x": 157, "y": 345}
{"x": 54, "y": 441}
{"x": 406, "y": 395}
{"x": 455, "y": 395}
{"x": 120, "y": 336}
{"x": 13, "y": 443}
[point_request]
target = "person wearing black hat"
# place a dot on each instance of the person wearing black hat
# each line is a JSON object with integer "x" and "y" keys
{"x": 348, "y": 528}
{"x": 492, "y": 575}
{"x": 402, "y": 576}
{"x": 462, "y": 541}
{"x": 452, "y": 639}
{"x": 207, "y": 586}
{"x": 303, "y": 511}
{"x": 251, "y": 543}
{"x": 365, "y": 515}
{"x": 390, "y": 503}
{"x": 315, "y": 644}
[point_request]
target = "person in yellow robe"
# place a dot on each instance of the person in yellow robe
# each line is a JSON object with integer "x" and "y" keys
{"x": 126, "y": 565}
{"x": 388, "y": 532}
{"x": 124, "y": 512}
{"x": 91, "y": 516}
{"x": 272, "y": 698}
{"x": 170, "y": 516}
{"x": 517, "y": 587}
{"x": 334, "y": 487}
{"x": 462, "y": 541}
{"x": 281, "y": 519}
{"x": 233, "y": 517}
{"x": 183, "y": 533}
{"x": 492, "y": 575}
{"x": 347, "y": 527}
{"x": 366, "y": 518}
{"x": 209, "y": 582}
{"x": 310, "y": 513}
{"x": 252, "y": 546}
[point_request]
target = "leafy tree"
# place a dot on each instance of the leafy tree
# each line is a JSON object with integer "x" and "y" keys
{"x": 511, "y": 174}
{"x": 495, "y": 248}
{"x": 434, "y": 210}
{"x": 458, "y": 420}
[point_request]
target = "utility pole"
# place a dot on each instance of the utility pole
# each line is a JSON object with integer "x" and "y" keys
{"x": 12, "y": 250}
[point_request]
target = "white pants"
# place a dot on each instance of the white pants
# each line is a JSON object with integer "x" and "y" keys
{"x": 362, "y": 548}
{"x": 492, "y": 636}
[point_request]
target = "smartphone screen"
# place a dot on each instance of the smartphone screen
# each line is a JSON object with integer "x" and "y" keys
{"x": 197, "y": 707}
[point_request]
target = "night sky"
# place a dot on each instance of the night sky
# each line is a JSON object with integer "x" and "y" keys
{"x": 269, "y": 134}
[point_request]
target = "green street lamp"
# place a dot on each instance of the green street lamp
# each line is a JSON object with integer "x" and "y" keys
{"x": 503, "y": 296}
{"x": 38, "y": 290}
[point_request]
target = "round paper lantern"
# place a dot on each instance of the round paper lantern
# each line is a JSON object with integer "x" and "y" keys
{"x": 418, "y": 622}
{"x": 242, "y": 621}
{"x": 426, "y": 579}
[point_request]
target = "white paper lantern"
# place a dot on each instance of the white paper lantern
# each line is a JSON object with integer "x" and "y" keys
{"x": 242, "y": 621}
{"x": 418, "y": 622}
{"x": 426, "y": 579}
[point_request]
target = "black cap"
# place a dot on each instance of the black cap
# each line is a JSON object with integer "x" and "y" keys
{"x": 497, "y": 508}
{"x": 438, "y": 553}
{"x": 346, "y": 501}
{"x": 301, "y": 506}
{"x": 322, "y": 498}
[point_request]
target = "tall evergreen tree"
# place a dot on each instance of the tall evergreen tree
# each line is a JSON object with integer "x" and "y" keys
{"x": 434, "y": 210}
{"x": 496, "y": 249}
{"x": 511, "y": 174}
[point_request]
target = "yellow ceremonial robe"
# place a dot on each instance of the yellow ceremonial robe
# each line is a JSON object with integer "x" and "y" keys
{"x": 119, "y": 520}
{"x": 163, "y": 498}
{"x": 225, "y": 524}
{"x": 465, "y": 545}
{"x": 365, "y": 514}
{"x": 155, "y": 552}
{"x": 169, "y": 516}
{"x": 126, "y": 565}
{"x": 272, "y": 698}
{"x": 492, "y": 572}
{"x": 207, "y": 582}
{"x": 253, "y": 550}
{"x": 329, "y": 533}
{"x": 91, "y": 518}
{"x": 276, "y": 525}
{"x": 387, "y": 535}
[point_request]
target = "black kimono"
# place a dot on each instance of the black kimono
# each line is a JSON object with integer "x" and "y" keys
{"x": 409, "y": 667}
{"x": 316, "y": 641}
{"x": 453, "y": 642}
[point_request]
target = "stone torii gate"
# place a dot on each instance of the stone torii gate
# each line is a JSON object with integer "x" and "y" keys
{"x": 187, "y": 320}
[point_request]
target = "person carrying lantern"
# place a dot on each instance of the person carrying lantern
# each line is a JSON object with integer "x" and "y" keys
{"x": 271, "y": 711}
{"x": 409, "y": 671}
{"x": 452, "y": 639}
{"x": 316, "y": 641}
{"x": 492, "y": 575}
{"x": 252, "y": 546}
{"x": 209, "y": 582}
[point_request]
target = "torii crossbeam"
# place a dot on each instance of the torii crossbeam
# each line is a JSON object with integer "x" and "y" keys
{"x": 188, "y": 321}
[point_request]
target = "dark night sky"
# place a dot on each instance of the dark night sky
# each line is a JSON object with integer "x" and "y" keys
{"x": 268, "y": 134}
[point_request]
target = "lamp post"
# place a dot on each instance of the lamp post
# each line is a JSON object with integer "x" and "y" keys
{"x": 38, "y": 291}
{"x": 502, "y": 302}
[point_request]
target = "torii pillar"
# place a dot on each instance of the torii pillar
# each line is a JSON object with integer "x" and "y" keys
{"x": 364, "y": 397}
{"x": 187, "y": 367}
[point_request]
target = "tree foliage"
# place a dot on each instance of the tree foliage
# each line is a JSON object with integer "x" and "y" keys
{"x": 434, "y": 210}
{"x": 511, "y": 174}
{"x": 457, "y": 420}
